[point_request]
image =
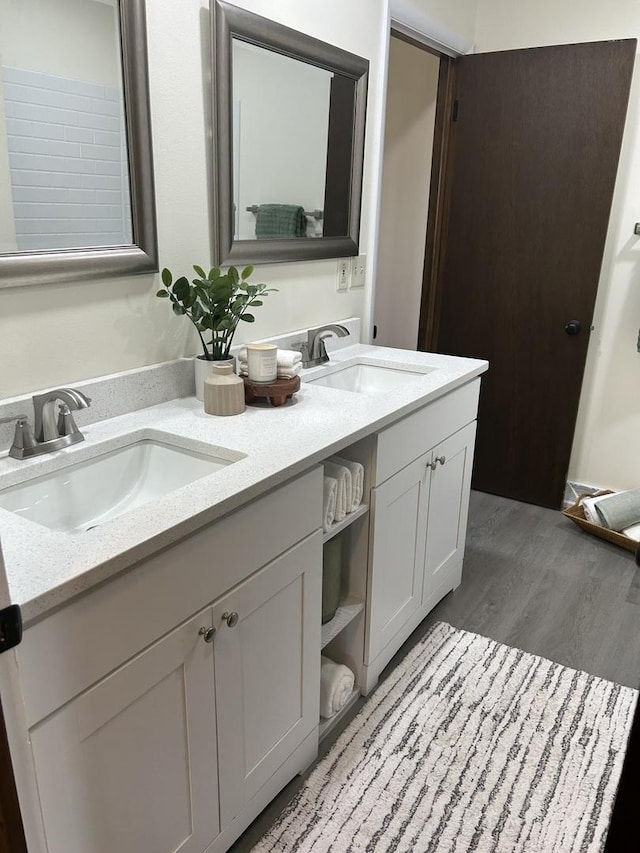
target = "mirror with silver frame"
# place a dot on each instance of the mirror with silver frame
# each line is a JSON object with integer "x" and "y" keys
{"x": 288, "y": 121}
{"x": 76, "y": 168}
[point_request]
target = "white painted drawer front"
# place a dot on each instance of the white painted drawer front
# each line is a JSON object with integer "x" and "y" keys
{"x": 79, "y": 644}
{"x": 401, "y": 443}
{"x": 131, "y": 765}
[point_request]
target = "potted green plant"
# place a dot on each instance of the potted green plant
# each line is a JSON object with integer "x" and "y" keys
{"x": 215, "y": 303}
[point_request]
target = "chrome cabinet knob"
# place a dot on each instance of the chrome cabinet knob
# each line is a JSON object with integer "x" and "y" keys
{"x": 207, "y": 634}
{"x": 432, "y": 465}
{"x": 441, "y": 460}
{"x": 230, "y": 618}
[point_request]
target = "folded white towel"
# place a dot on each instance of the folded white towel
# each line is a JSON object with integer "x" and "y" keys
{"x": 357, "y": 480}
{"x": 343, "y": 496}
{"x": 329, "y": 502}
{"x": 283, "y": 372}
{"x": 336, "y": 686}
{"x": 287, "y": 358}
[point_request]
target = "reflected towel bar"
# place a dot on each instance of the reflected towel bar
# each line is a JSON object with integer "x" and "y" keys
{"x": 311, "y": 214}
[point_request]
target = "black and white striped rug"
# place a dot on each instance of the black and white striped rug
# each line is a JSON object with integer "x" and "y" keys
{"x": 469, "y": 745}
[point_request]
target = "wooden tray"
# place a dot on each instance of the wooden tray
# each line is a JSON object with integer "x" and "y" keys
{"x": 576, "y": 514}
{"x": 277, "y": 393}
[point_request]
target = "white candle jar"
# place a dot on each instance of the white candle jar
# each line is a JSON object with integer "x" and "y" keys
{"x": 262, "y": 362}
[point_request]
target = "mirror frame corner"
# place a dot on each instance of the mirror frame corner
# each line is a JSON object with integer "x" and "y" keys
{"x": 227, "y": 22}
{"x": 71, "y": 265}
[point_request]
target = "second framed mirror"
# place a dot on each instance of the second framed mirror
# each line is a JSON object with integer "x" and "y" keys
{"x": 288, "y": 122}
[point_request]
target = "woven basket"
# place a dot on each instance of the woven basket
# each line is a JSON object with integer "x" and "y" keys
{"x": 576, "y": 513}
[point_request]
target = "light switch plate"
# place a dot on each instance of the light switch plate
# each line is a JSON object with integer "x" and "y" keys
{"x": 343, "y": 276}
{"x": 358, "y": 271}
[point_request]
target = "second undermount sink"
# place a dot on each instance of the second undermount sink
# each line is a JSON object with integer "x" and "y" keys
{"x": 86, "y": 494}
{"x": 369, "y": 379}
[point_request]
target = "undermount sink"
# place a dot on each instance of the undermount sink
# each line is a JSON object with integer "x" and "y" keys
{"x": 369, "y": 379}
{"x": 86, "y": 494}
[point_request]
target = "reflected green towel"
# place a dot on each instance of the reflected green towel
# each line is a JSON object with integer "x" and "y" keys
{"x": 280, "y": 220}
{"x": 620, "y": 510}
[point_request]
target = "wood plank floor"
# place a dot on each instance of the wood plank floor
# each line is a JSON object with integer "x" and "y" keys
{"x": 533, "y": 580}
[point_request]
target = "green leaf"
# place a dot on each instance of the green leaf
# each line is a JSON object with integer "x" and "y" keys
{"x": 200, "y": 271}
{"x": 214, "y": 272}
{"x": 232, "y": 275}
{"x": 178, "y": 309}
{"x": 167, "y": 278}
{"x": 256, "y": 302}
{"x": 181, "y": 289}
{"x": 248, "y": 318}
{"x": 246, "y": 272}
{"x": 162, "y": 294}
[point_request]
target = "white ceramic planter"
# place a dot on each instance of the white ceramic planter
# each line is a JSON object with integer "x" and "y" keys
{"x": 203, "y": 369}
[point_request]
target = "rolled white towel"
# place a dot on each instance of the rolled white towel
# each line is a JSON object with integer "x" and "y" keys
{"x": 329, "y": 502}
{"x": 287, "y": 358}
{"x": 343, "y": 497}
{"x": 357, "y": 480}
{"x": 336, "y": 686}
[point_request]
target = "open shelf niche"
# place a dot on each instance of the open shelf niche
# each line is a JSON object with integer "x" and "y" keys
{"x": 343, "y": 636}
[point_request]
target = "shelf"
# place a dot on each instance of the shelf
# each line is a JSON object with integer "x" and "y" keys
{"x": 327, "y": 725}
{"x": 363, "y": 509}
{"x": 344, "y": 614}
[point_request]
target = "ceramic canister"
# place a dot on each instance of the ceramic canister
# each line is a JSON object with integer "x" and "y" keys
{"x": 223, "y": 391}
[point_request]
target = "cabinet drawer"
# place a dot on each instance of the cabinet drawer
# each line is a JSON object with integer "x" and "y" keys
{"x": 77, "y": 645}
{"x": 401, "y": 443}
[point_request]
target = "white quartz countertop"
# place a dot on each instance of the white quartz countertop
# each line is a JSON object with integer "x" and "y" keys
{"x": 46, "y": 568}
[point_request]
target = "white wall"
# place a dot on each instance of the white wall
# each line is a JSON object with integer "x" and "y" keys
{"x": 60, "y": 333}
{"x": 408, "y": 146}
{"x": 458, "y": 16}
{"x": 606, "y": 450}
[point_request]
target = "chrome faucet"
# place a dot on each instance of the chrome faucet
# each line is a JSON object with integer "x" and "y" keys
{"x": 50, "y": 433}
{"x": 313, "y": 350}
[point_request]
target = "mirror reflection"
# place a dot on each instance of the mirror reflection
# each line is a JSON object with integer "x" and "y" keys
{"x": 64, "y": 181}
{"x": 280, "y": 136}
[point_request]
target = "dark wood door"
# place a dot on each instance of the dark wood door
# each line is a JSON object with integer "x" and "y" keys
{"x": 535, "y": 139}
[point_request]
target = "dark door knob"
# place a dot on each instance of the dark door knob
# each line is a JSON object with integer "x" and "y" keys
{"x": 572, "y": 327}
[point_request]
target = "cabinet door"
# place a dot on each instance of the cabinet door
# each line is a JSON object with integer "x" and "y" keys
{"x": 399, "y": 527}
{"x": 267, "y": 665}
{"x": 130, "y": 765}
{"x": 448, "y": 511}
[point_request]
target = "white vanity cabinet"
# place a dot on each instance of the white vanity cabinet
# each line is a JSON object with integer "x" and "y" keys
{"x": 130, "y": 764}
{"x": 418, "y": 520}
{"x": 180, "y": 746}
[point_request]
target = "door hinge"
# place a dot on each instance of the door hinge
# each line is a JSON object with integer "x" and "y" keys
{"x": 455, "y": 110}
{"x": 10, "y": 627}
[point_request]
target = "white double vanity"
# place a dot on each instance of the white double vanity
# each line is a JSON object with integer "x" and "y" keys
{"x": 168, "y": 677}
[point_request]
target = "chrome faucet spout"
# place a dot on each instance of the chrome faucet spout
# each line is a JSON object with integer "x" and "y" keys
{"x": 316, "y": 338}
{"x": 46, "y": 422}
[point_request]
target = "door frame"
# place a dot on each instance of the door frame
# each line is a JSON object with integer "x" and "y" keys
{"x": 438, "y": 208}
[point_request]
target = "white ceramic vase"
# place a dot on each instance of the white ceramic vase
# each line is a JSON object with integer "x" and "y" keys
{"x": 204, "y": 368}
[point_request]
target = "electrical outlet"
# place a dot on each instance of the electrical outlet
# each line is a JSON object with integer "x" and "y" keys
{"x": 343, "y": 279}
{"x": 358, "y": 271}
